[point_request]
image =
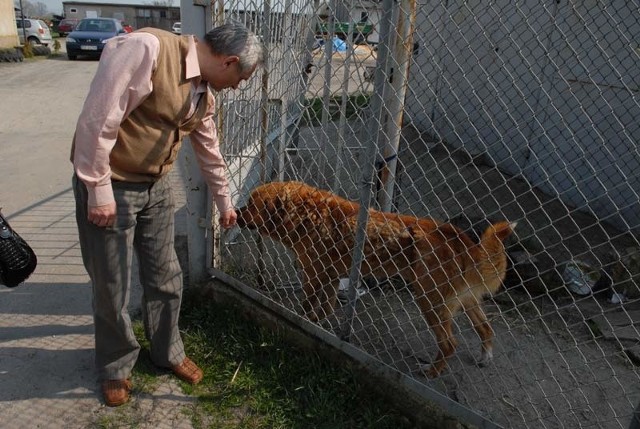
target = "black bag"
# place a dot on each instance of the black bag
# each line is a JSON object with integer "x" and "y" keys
{"x": 17, "y": 259}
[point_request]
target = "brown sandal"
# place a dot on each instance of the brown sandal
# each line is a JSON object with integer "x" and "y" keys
{"x": 116, "y": 392}
{"x": 188, "y": 371}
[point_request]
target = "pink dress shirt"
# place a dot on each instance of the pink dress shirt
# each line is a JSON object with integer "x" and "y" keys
{"x": 121, "y": 83}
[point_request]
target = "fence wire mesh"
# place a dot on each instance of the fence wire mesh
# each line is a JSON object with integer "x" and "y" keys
{"x": 468, "y": 113}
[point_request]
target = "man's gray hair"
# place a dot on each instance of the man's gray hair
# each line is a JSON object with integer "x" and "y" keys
{"x": 235, "y": 39}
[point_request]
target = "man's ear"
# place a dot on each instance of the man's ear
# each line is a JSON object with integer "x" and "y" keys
{"x": 230, "y": 60}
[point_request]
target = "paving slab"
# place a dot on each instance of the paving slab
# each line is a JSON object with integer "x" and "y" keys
{"x": 47, "y": 375}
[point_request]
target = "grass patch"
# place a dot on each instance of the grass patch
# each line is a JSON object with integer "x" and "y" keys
{"x": 116, "y": 420}
{"x": 255, "y": 379}
{"x": 145, "y": 374}
{"x": 355, "y": 104}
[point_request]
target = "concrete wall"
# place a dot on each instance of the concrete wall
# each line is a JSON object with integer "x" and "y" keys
{"x": 549, "y": 90}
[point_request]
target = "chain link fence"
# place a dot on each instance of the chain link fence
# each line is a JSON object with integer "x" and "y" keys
{"x": 466, "y": 112}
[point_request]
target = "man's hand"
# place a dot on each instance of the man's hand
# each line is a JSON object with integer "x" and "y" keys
{"x": 103, "y": 215}
{"x": 228, "y": 219}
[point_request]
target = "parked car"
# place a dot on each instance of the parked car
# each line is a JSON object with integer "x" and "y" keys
{"x": 66, "y": 26}
{"x": 37, "y": 31}
{"x": 177, "y": 28}
{"x": 90, "y": 35}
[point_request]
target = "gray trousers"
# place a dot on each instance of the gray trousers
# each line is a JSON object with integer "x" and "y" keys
{"x": 144, "y": 224}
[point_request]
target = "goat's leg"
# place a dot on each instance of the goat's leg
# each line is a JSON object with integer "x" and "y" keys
{"x": 483, "y": 329}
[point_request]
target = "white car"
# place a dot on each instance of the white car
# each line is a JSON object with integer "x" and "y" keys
{"x": 177, "y": 28}
{"x": 37, "y": 31}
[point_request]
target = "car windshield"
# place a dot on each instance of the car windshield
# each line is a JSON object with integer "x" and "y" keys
{"x": 98, "y": 25}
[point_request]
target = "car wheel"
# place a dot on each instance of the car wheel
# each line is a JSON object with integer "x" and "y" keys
{"x": 8, "y": 55}
{"x": 72, "y": 57}
{"x": 33, "y": 41}
{"x": 41, "y": 50}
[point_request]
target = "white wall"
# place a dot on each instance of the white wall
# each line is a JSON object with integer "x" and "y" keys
{"x": 549, "y": 90}
{"x": 8, "y": 31}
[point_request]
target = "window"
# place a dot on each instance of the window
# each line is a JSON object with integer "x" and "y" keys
{"x": 27, "y": 23}
{"x": 73, "y": 10}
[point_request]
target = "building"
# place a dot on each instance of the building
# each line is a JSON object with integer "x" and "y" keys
{"x": 8, "y": 30}
{"x": 136, "y": 15}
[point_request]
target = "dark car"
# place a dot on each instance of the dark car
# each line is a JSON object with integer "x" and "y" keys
{"x": 66, "y": 26}
{"x": 90, "y": 35}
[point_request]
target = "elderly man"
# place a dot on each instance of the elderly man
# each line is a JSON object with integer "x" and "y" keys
{"x": 151, "y": 89}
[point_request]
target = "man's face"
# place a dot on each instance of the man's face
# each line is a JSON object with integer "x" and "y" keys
{"x": 223, "y": 72}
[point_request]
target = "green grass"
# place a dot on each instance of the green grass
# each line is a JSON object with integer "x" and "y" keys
{"x": 254, "y": 378}
{"x": 354, "y": 105}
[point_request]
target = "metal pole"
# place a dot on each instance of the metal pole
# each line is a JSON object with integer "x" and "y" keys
{"x": 286, "y": 37}
{"x": 264, "y": 101}
{"x": 24, "y": 31}
{"x": 264, "y": 129}
{"x": 367, "y": 184}
{"x": 216, "y": 17}
{"x": 343, "y": 105}
{"x": 200, "y": 232}
{"x": 394, "y": 100}
{"x": 326, "y": 95}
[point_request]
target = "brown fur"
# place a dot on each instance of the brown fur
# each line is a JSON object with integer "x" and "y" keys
{"x": 445, "y": 269}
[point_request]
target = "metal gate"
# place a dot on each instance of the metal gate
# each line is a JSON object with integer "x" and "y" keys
{"x": 465, "y": 112}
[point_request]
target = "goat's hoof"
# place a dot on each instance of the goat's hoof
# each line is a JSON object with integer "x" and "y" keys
{"x": 485, "y": 359}
{"x": 312, "y": 317}
{"x": 430, "y": 371}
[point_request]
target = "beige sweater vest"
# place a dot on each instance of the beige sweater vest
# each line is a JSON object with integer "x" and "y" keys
{"x": 150, "y": 137}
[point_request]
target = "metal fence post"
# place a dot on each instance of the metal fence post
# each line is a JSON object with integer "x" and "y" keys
{"x": 367, "y": 184}
{"x": 196, "y": 18}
